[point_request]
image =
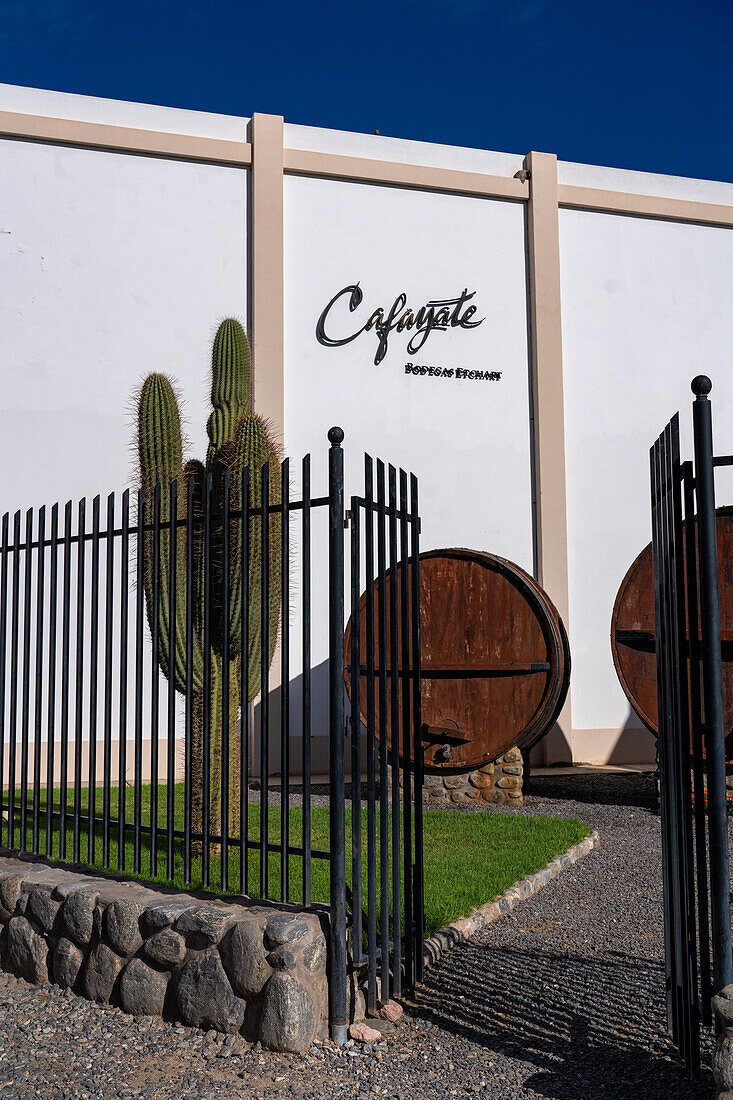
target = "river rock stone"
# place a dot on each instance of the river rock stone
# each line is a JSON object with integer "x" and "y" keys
{"x": 284, "y": 928}
{"x": 42, "y": 907}
{"x": 281, "y": 959}
{"x": 103, "y": 968}
{"x": 209, "y": 923}
{"x": 244, "y": 958}
{"x": 67, "y": 961}
{"x": 167, "y": 948}
{"x": 723, "y": 1006}
{"x": 205, "y": 997}
{"x": 123, "y": 925}
{"x": 10, "y": 891}
{"x": 27, "y": 952}
{"x": 70, "y": 886}
{"x": 163, "y": 915}
{"x": 288, "y": 1017}
{"x": 723, "y": 1050}
{"x": 78, "y": 914}
{"x": 314, "y": 955}
{"x": 142, "y": 989}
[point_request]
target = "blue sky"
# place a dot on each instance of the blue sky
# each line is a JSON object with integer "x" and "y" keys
{"x": 642, "y": 84}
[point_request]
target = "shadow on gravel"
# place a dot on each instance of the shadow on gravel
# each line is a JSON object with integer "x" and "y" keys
{"x": 584, "y": 1027}
{"x": 597, "y": 788}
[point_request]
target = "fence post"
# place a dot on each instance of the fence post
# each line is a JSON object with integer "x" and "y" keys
{"x": 338, "y": 976}
{"x": 712, "y": 685}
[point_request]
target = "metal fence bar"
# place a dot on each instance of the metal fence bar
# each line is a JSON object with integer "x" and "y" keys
{"x": 3, "y": 661}
{"x": 154, "y": 618}
{"x": 667, "y": 732}
{"x": 339, "y": 1015}
{"x": 38, "y": 713}
{"x": 207, "y": 701}
{"x": 139, "y": 673}
{"x": 671, "y": 719}
{"x": 684, "y": 752}
{"x": 122, "y": 746}
{"x": 25, "y": 714}
{"x": 79, "y": 657}
{"x": 108, "y": 656}
{"x": 172, "y": 656}
{"x": 681, "y": 750}
{"x": 264, "y": 678}
{"x": 306, "y": 645}
{"x": 65, "y": 680}
{"x": 93, "y": 674}
{"x": 394, "y": 718}
{"x": 355, "y": 727}
{"x": 51, "y": 704}
{"x": 188, "y": 733}
{"x": 406, "y": 744}
{"x": 384, "y": 992}
{"x": 244, "y": 723}
{"x": 223, "y": 763}
{"x": 371, "y": 748}
{"x": 722, "y": 947}
{"x": 285, "y": 681}
{"x": 700, "y": 817}
{"x": 13, "y": 682}
{"x": 658, "y": 558}
{"x": 14, "y": 628}
{"x": 418, "y": 875}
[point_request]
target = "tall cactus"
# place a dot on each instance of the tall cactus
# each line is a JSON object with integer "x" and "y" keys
{"x": 238, "y": 439}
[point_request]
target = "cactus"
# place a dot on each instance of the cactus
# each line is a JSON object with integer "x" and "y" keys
{"x": 238, "y": 439}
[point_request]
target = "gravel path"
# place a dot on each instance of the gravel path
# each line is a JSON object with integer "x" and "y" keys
{"x": 561, "y": 999}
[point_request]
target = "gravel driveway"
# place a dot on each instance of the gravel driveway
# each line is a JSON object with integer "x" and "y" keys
{"x": 561, "y": 999}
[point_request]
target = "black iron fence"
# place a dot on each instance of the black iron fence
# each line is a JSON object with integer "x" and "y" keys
{"x": 697, "y": 914}
{"x": 169, "y": 665}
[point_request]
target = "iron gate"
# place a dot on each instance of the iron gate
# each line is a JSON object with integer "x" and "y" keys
{"x": 86, "y": 642}
{"x": 697, "y": 921}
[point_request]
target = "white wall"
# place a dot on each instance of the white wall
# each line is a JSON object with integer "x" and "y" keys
{"x": 111, "y": 266}
{"x": 467, "y": 440}
{"x": 646, "y": 306}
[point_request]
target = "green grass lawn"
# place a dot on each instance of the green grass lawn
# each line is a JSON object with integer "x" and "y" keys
{"x": 469, "y": 858}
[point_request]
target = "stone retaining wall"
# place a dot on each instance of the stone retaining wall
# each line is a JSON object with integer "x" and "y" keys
{"x": 250, "y": 969}
{"x": 498, "y": 783}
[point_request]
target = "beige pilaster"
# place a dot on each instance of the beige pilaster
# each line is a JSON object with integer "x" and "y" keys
{"x": 543, "y": 246}
{"x": 266, "y": 268}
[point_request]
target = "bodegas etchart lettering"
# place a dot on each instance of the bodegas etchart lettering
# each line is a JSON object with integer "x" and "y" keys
{"x": 436, "y": 315}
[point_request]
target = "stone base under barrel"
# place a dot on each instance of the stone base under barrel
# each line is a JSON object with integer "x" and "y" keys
{"x": 239, "y": 969}
{"x": 499, "y": 783}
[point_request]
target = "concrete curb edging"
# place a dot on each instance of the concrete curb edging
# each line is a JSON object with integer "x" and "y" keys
{"x": 460, "y": 930}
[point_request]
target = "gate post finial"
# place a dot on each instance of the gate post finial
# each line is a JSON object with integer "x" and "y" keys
{"x": 701, "y": 385}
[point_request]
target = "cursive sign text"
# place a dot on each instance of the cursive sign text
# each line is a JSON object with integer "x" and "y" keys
{"x": 436, "y": 315}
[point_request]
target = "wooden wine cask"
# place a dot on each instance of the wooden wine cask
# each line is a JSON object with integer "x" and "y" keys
{"x": 495, "y": 660}
{"x": 632, "y": 630}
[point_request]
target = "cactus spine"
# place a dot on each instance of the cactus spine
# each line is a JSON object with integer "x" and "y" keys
{"x": 238, "y": 439}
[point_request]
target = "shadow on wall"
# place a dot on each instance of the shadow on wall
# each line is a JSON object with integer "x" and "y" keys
{"x": 319, "y": 688}
{"x": 632, "y": 744}
{"x": 319, "y": 729}
{"x": 581, "y": 1026}
{"x": 318, "y": 723}
{"x": 636, "y": 744}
